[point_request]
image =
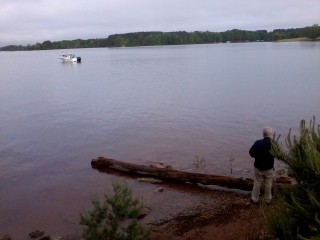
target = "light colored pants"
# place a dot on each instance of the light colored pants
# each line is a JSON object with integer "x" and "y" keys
{"x": 260, "y": 177}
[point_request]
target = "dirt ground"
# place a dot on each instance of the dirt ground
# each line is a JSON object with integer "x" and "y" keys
{"x": 224, "y": 215}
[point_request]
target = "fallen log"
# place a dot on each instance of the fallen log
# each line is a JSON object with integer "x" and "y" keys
{"x": 169, "y": 174}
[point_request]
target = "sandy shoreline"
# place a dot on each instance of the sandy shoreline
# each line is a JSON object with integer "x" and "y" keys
{"x": 221, "y": 215}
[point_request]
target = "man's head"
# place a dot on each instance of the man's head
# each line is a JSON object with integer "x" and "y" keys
{"x": 267, "y": 132}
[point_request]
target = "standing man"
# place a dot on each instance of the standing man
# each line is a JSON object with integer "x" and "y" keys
{"x": 263, "y": 166}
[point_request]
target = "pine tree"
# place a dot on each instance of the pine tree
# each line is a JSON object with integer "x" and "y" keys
{"x": 116, "y": 218}
{"x": 302, "y": 202}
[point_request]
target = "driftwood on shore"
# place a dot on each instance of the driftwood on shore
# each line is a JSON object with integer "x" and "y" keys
{"x": 169, "y": 174}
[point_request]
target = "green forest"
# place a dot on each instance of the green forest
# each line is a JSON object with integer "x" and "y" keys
{"x": 174, "y": 38}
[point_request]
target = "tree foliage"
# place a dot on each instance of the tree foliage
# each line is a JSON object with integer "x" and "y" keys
{"x": 173, "y": 38}
{"x": 116, "y": 218}
{"x": 302, "y": 202}
{"x": 312, "y": 32}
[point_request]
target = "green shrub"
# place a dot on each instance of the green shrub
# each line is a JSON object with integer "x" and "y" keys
{"x": 116, "y": 218}
{"x": 279, "y": 221}
{"x": 301, "y": 203}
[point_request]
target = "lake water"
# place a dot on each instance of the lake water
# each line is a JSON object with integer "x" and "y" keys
{"x": 164, "y": 104}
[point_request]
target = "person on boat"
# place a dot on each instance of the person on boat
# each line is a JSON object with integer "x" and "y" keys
{"x": 263, "y": 166}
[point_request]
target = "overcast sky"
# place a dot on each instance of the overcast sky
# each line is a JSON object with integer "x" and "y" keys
{"x": 30, "y": 21}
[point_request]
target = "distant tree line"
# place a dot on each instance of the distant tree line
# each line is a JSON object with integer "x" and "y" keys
{"x": 174, "y": 38}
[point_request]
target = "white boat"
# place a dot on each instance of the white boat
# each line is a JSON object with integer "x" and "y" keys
{"x": 70, "y": 57}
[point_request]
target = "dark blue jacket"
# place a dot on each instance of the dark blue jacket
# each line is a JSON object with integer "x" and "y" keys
{"x": 260, "y": 151}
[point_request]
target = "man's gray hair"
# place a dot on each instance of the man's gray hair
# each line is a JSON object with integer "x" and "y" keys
{"x": 267, "y": 132}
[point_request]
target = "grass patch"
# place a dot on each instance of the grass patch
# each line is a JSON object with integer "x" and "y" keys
{"x": 301, "y": 39}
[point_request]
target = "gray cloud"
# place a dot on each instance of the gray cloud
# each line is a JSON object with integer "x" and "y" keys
{"x": 30, "y": 21}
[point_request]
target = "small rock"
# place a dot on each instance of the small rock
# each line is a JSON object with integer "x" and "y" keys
{"x": 157, "y": 165}
{"x": 144, "y": 213}
{"x": 5, "y": 237}
{"x": 36, "y": 234}
{"x": 45, "y": 238}
{"x": 162, "y": 166}
{"x": 159, "y": 189}
{"x": 169, "y": 167}
{"x": 57, "y": 238}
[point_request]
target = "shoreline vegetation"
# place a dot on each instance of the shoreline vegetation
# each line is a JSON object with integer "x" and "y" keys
{"x": 157, "y": 38}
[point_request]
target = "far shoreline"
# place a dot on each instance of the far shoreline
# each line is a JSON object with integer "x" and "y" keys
{"x": 158, "y": 38}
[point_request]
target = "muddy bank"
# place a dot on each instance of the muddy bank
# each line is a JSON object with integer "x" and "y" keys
{"x": 220, "y": 215}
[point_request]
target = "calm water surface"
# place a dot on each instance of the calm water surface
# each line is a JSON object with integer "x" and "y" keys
{"x": 141, "y": 105}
